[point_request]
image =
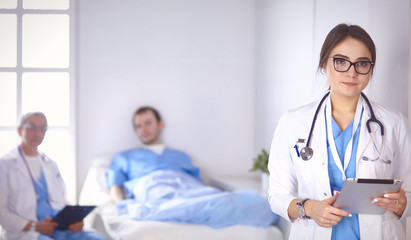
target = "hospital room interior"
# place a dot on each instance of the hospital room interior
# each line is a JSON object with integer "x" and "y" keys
{"x": 220, "y": 72}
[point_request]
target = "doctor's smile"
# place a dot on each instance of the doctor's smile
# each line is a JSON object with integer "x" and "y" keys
{"x": 350, "y": 84}
{"x": 340, "y": 139}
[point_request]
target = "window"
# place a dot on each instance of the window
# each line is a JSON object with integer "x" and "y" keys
{"x": 36, "y": 74}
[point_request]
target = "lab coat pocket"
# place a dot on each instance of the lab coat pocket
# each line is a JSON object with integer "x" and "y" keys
{"x": 391, "y": 227}
{"x": 303, "y": 170}
{"x": 372, "y": 165}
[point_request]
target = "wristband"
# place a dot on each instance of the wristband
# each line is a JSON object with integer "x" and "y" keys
{"x": 32, "y": 227}
{"x": 301, "y": 210}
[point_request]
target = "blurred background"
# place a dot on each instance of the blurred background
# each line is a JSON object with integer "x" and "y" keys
{"x": 221, "y": 72}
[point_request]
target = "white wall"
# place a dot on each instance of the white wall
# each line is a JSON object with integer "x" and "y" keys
{"x": 193, "y": 60}
{"x": 285, "y": 40}
{"x": 291, "y": 34}
{"x": 409, "y": 67}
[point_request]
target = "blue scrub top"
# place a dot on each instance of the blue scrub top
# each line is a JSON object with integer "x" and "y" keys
{"x": 348, "y": 227}
{"x": 44, "y": 208}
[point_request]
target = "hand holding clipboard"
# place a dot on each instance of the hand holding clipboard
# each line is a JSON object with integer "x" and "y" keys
{"x": 70, "y": 214}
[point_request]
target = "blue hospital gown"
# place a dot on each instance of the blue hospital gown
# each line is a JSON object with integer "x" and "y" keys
{"x": 129, "y": 166}
{"x": 171, "y": 190}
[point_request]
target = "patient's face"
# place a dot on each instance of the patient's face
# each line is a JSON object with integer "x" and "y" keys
{"x": 148, "y": 128}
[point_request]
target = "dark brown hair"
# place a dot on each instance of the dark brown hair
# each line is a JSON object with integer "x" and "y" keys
{"x": 145, "y": 109}
{"x": 340, "y": 33}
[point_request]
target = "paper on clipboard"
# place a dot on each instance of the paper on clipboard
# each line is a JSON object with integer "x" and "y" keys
{"x": 356, "y": 194}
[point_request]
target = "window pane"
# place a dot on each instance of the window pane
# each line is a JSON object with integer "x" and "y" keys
{"x": 8, "y": 4}
{"x": 8, "y": 40}
{"x": 46, "y": 41}
{"x": 8, "y": 141}
{"x": 8, "y": 98}
{"x": 56, "y": 145}
{"x": 46, "y": 4}
{"x": 48, "y": 93}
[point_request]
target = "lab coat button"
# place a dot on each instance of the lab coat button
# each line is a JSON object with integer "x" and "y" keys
{"x": 323, "y": 163}
{"x": 325, "y": 194}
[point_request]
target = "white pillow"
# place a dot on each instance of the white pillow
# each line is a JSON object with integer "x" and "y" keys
{"x": 94, "y": 190}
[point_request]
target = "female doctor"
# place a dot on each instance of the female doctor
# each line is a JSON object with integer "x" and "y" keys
{"x": 305, "y": 177}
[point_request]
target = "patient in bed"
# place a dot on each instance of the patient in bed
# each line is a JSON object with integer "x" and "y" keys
{"x": 158, "y": 183}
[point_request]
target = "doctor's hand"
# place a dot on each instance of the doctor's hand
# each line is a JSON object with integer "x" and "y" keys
{"x": 46, "y": 226}
{"x": 323, "y": 213}
{"x": 76, "y": 226}
{"x": 393, "y": 202}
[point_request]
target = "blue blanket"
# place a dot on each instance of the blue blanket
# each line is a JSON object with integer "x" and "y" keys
{"x": 168, "y": 195}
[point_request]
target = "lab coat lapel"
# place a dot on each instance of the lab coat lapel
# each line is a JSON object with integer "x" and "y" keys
{"x": 49, "y": 176}
{"x": 320, "y": 157}
{"x": 21, "y": 167}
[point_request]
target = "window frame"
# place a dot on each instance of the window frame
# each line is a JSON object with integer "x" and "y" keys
{"x": 71, "y": 183}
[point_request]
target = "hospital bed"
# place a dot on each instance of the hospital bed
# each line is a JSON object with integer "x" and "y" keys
{"x": 105, "y": 220}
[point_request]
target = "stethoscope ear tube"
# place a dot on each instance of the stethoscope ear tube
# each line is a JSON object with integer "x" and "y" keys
{"x": 372, "y": 118}
{"x": 307, "y": 152}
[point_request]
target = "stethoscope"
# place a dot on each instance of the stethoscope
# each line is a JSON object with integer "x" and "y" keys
{"x": 33, "y": 180}
{"x": 307, "y": 152}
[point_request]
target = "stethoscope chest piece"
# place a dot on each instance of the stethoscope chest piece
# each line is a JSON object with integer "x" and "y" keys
{"x": 306, "y": 153}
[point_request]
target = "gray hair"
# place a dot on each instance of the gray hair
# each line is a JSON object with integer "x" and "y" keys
{"x": 26, "y": 116}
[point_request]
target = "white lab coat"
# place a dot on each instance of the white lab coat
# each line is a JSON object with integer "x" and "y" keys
{"x": 291, "y": 177}
{"x": 18, "y": 198}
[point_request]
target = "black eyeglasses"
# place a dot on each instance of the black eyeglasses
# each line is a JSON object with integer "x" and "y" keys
{"x": 361, "y": 67}
{"x": 32, "y": 127}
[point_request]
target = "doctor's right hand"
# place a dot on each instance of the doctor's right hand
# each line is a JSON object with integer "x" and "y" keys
{"x": 323, "y": 212}
{"x": 46, "y": 226}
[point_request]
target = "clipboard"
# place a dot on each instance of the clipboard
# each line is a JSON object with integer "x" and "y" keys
{"x": 356, "y": 194}
{"x": 70, "y": 214}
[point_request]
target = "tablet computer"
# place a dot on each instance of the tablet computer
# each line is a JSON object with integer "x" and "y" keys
{"x": 70, "y": 214}
{"x": 356, "y": 194}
